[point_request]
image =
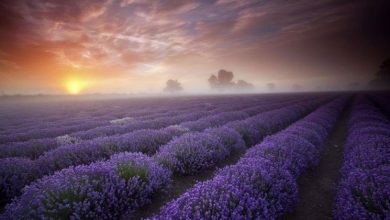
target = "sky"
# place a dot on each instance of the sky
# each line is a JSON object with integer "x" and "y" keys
{"x": 135, "y": 46}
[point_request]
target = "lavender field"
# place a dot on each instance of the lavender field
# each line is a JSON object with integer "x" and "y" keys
{"x": 275, "y": 156}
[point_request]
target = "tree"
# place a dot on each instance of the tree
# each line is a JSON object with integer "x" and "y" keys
{"x": 384, "y": 70}
{"x": 225, "y": 78}
{"x": 213, "y": 81}
{"x": 382, "y": 79}
{"x": 271, "y": 86}
{"x": 224, "y": 81}
{"x": 296, "y": 87}
{"x": 173, "y": 86}
{"x": 243, "y": 85}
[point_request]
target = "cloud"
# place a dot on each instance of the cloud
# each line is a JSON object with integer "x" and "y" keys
{"x": 47, "y": 39}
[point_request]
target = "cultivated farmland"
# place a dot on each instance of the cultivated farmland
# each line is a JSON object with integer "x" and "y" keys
{"x": 279, "y": 156}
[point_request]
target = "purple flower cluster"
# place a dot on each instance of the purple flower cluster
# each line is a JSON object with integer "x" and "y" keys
{"x": 253, "y": 129}
{"x": 84, "y": 152}
{"x": 145, "y": 141}
{"x": 209, "y": 147}
{"x": 262, "y": 185}
{"x": 21, "y": 121}
{"x": 190, "y": 114}
{"x": 364, "y": 190}
{"x": 230, "y": 138}
{"x": 49, "y": 132}
{"x": 33, "y": 148}
{"x": 249, "y": 190}
{"x": 250, "y": 133}
{"x": 74, "y": 118}
{"x": 15, "y": 173}
{"x": 220, "y": 119}
{"x": 194, "y": 151}
{"x": 115, "y": 129}
{"x": 102, "y": 190}
{"x": 364, "y": 194}
{"x": 214, "y": 120}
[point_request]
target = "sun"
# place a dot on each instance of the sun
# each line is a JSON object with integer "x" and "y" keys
{"x": 74, "y": 86}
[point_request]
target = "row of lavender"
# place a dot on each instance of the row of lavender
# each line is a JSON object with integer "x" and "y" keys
{"x": 364, "y": 190}
{"x": 15, "y": 173}
{"x": 162, "y": 121}
{"x": 166, "y": 106}
{"x": 262, "y": 185}
{"x": 40, "y": 130}
{"x": 53, "y": 113}
{"x": 382, "y": 100}
{"x": 109, "y": 189}
{"x": 23, "y": 114}
{"x": 197, "y": 151}
{"x": 190, "y": 114}
{"x": 60, "y": 127}
{"x": 108, "y": 110}
{"x": 36, "y": 147}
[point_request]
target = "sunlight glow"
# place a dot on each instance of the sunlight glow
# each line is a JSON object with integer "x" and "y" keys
{"x": 74, "y": 86}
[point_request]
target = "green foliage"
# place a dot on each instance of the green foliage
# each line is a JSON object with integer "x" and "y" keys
{"x": 128, "y": 170}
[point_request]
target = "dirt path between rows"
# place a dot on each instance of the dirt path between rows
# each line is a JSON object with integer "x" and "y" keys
{"x": 318, "y": 186}
{"x": 180, "y": 185}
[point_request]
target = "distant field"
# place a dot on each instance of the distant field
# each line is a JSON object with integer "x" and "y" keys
{"x": 274, "y": 156}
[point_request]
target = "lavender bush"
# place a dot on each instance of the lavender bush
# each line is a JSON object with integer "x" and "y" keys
{"x": 87, "y": 192}
{"x": 364, "y": 191}
{"x": 191, "y": 152}
{"x": 147, "y": 141}
{"x": 102, "y": 190}
{"x": 262, "y": 185}
{"x": 15, "y": 173}
{"x": 287, "y": 152}
{"x": 246, "y": 191}
{"x": 36, "y": 147}
{"x": 230, "y": 138}
{"x": 33, "y": 147}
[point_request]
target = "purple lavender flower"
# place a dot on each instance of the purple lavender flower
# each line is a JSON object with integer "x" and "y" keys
{"x": 230, "y": 138}
{"x": 364, "y": 194}
{"x": 146, "y": 140}
{"x": 288, "y": 152}
{"x": 15, "y": 172}
{"x": 103, "y": 190}
{"x": 248, "y": 131}
{"x": 255, "y": 189}
{"x": 192, "y": 152}
{"x": 262, "y": 185}
{"x": 364, "y": 190}
{"x": 31, "y": 149}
